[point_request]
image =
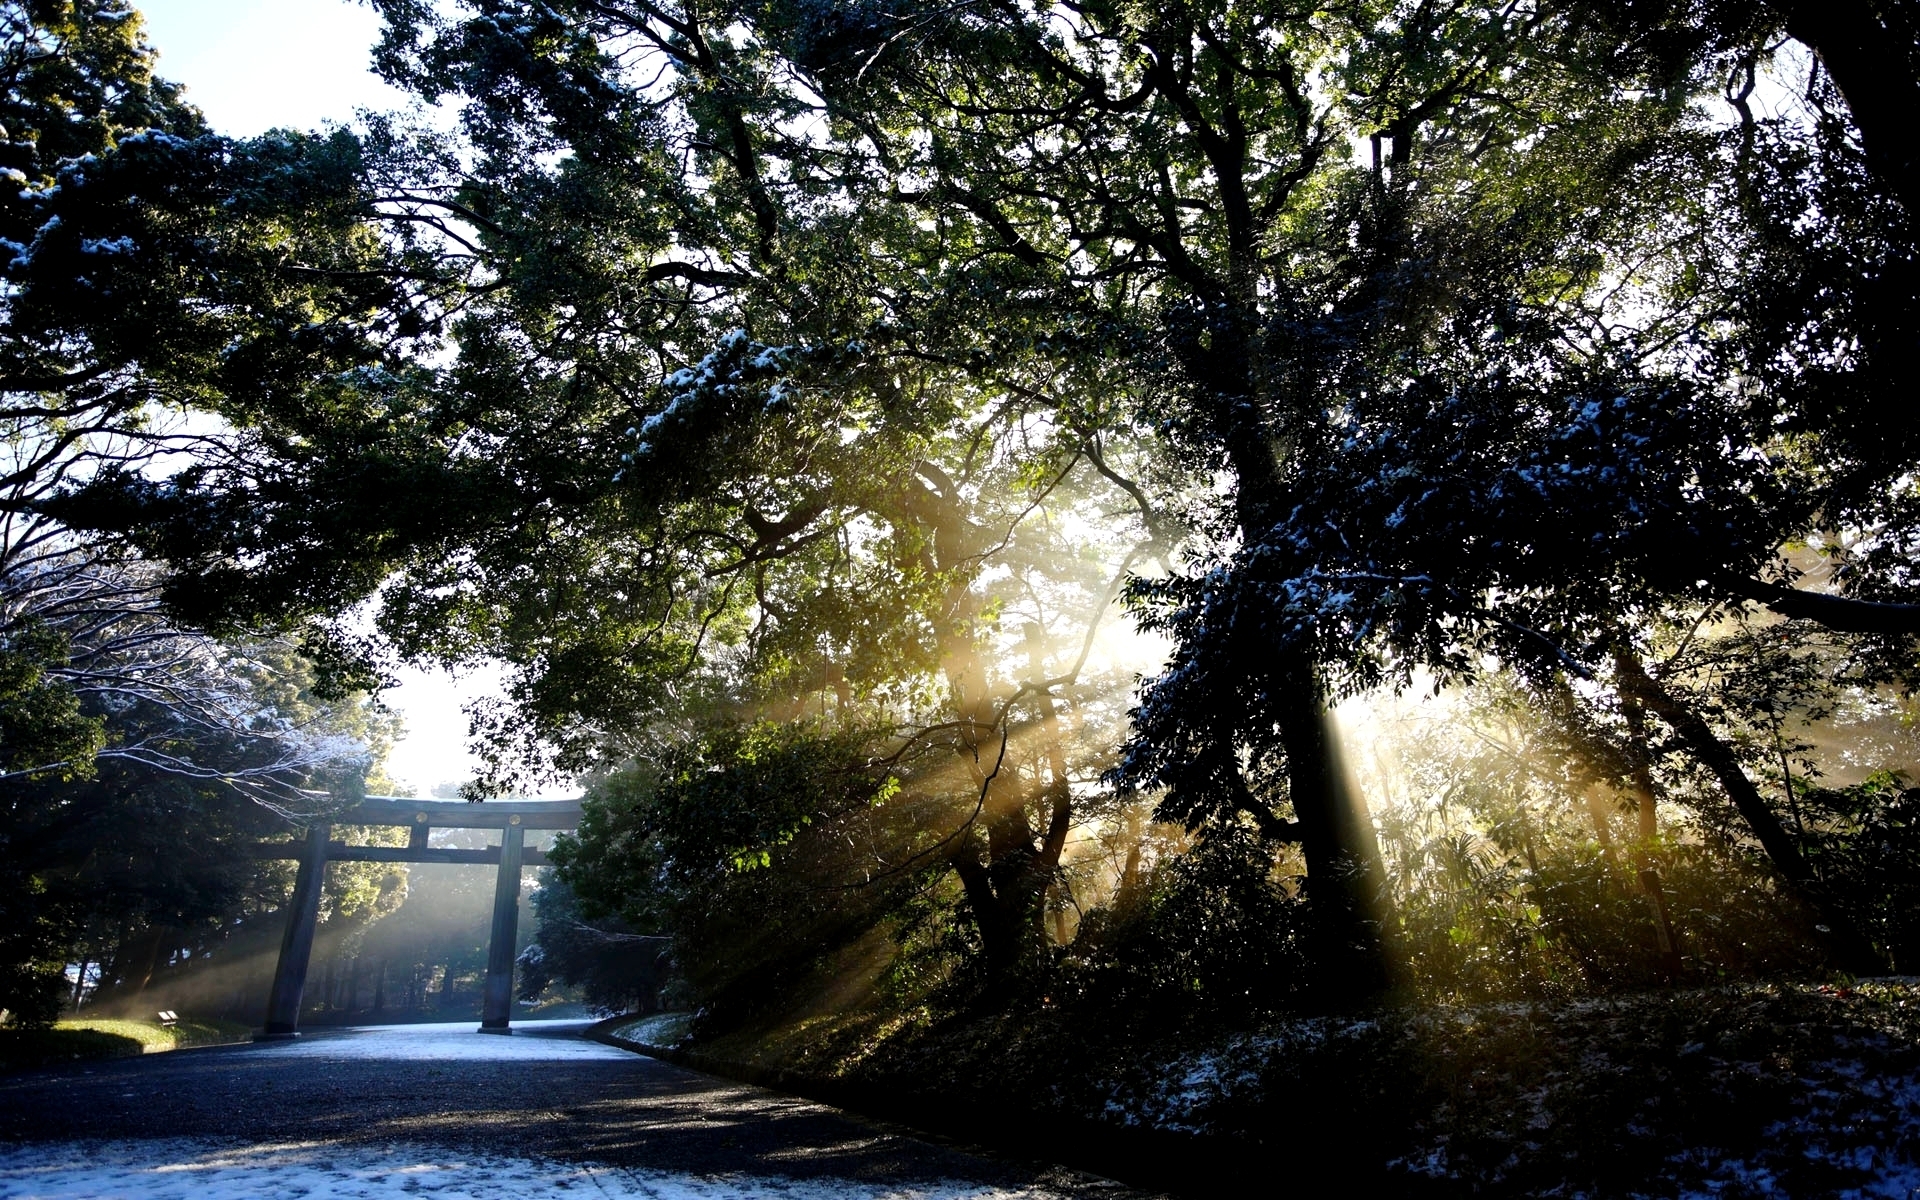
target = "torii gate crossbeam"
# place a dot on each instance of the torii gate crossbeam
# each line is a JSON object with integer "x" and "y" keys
{"x": 512, "y": 817}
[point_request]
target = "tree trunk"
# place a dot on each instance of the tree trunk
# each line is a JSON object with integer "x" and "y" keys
{"x": 1870, "y": 58}
{"x": 1004, "y": 872}
{"x": 1851, "y": 950}
{"x": 380, "y": 986}
{"x": 144, "y": 958}
{"x": 1595, "y": 798}
{"x": 114, "y": 960}
{"x": 1127, "y": 894}
{"x": 1346, "y": 878}
{"x": 1646, "y": 844}
{"x": 1059, "y": 789}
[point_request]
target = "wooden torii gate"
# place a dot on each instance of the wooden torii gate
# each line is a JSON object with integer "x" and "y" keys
{"x": 512, "y": 817}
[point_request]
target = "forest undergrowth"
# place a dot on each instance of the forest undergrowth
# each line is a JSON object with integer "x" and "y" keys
{"x": 1749, "y": 1089}
{"x": 1537, "y": 1039}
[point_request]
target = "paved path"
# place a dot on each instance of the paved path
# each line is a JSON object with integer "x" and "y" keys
{"x": 438, "y": 1110}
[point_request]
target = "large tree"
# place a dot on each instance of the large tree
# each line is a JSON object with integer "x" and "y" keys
{"x": 689, "y": 454}
{"x": 162, "y": 287}
{"x": 1630, "y": 372}
{"x": 1459, "y": 332}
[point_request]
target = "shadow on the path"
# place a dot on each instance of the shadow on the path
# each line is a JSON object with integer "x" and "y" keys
{"x": 624, "y": 1110}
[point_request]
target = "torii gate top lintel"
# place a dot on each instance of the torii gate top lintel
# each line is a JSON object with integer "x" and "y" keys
{"x": 512, "y": 817}
{"x": 460, "y": 814}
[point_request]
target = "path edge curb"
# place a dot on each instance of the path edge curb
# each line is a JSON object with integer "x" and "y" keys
{"x": 1096, "y": 1154}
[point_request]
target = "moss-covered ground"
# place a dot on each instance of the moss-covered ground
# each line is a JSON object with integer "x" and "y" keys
{"x": 94, "y": 1038}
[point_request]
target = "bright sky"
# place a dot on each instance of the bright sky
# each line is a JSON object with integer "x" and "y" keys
{"x": 434, "y": 750}
{"x": 254, "y": 65}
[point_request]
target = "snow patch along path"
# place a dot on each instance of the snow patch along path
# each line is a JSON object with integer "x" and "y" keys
{"x": 190, "y": 1169}
{"x": 456, "y": 1041}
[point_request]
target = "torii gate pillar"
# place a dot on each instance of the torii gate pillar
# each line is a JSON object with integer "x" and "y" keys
{"x": 497, "y": 1007}
{"x": 296, "y": 944}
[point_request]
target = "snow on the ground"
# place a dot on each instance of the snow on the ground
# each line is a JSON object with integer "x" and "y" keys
{"x": 1849, "y": 1121}
{"x": 187, "y": 1169}
{"x": 661, "y": 1029}
{"x": 530, "y": 1041}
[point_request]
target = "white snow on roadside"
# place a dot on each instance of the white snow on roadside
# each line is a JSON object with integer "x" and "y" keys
{"x": 661, "y": 1029}
{"x": 542, "y": 1041}
{"x": 1850, "y": 1122}
{"x": 1182, "y": 1094}
{"x": 186, "y": 1169}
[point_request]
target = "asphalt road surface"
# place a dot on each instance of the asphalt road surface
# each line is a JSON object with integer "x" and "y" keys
{"x": 444, "y": 1111}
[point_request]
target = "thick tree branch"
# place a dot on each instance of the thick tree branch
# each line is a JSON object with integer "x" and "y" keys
{"x": 1841, "y": 613}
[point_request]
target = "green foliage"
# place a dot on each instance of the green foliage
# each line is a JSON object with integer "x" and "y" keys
{"x": 55, "y": 1045}
{"x": 152, "y": 261}
{"x": 79, "y": 77}
{"x": 32, "y": 950}
{"x": 41, "y": 1045}
{"x": 154, "y": 1037}
{"x": 1520, "y": 867}
{"x": 720, "y": 807}
{"x": 1217, "y": 937}
{"x": 1865, "y": 841}
{"x": 616, "y": 969}
{"x": 1573, "y": 920}
{"x": 739, "y": 847}
{"x": 42, "y": 727}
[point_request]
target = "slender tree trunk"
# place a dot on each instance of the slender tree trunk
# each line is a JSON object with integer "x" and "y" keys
{"x": 113, "y": 965}
{"x": 1851, "y": 950}
{"x": 1059, "y": 790}
{"x": 1127, "y": 894}
{"x": 1595, "y": 798}
{"x": 1346, "y": 877}
{"x": 145, "y": 958}
{"x": 1646, "y": 844}
{"x": 380, "y": 986}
